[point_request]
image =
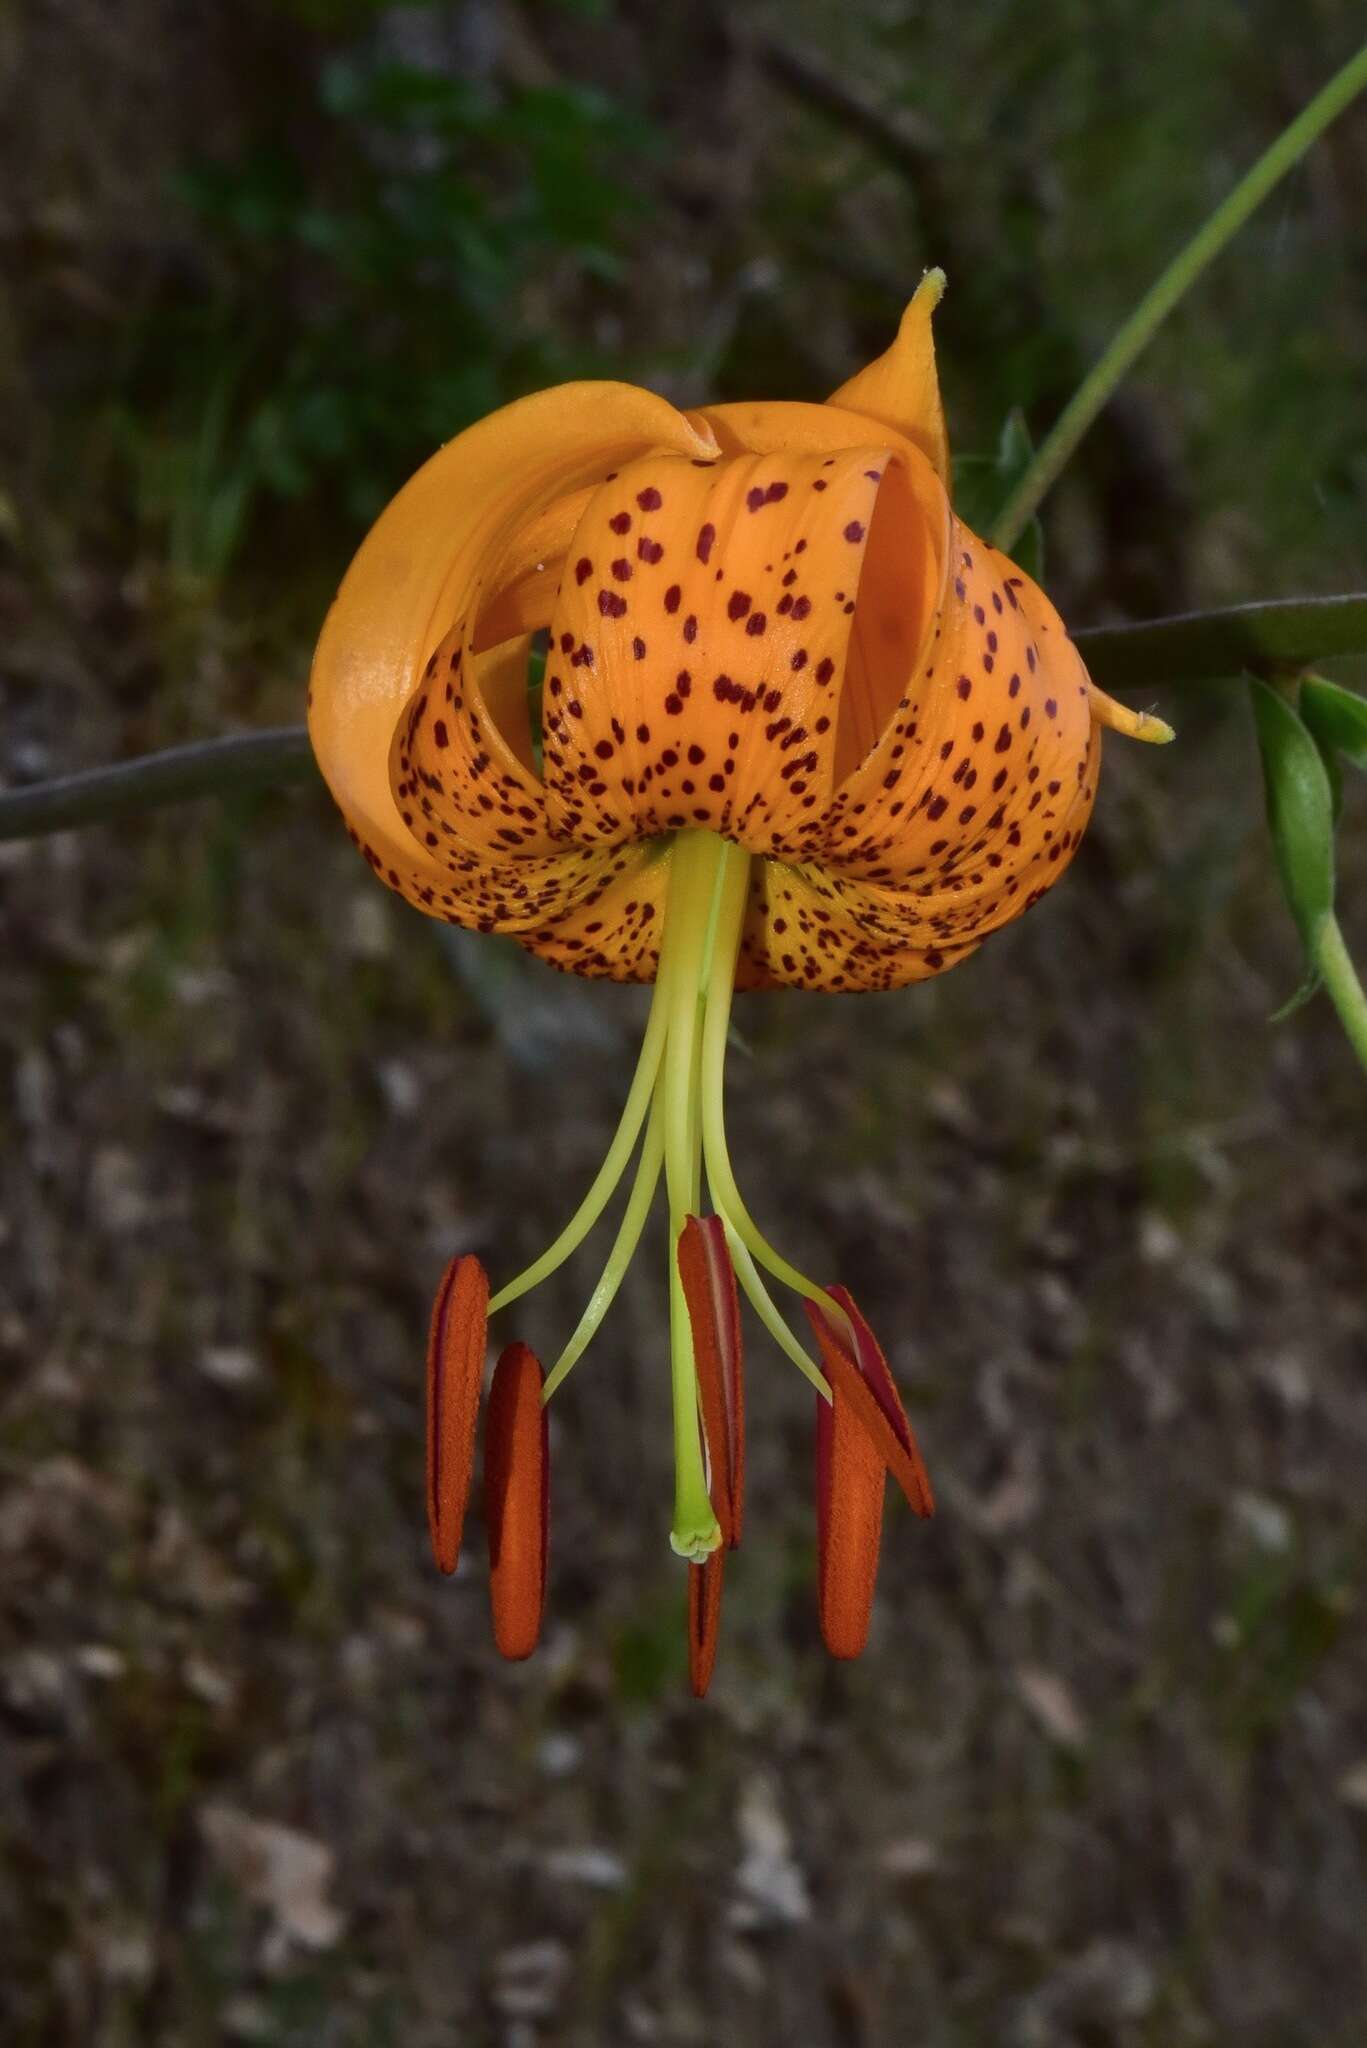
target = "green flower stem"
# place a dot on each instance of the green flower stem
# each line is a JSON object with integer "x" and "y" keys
{"x": 623, "y": 1247}
{"x": 614, "y": 1164}
{"x": 1342, "y": 985}
{"x": 1136, "y": 333}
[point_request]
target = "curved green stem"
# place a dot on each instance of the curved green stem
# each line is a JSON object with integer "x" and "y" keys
{"x": 614, "y": 1164}
{"x": 623, "y": 1248}
{"x": 1136, "y": 333}
{"x": 1342, "y": 985}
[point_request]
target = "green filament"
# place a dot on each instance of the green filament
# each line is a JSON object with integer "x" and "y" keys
{"x": 623, "y": 1248}
{"x": 732, "y": 896}
{"x": 765, "y": 1307}
{"x": 614, "y": 1165}
{"x": 677, "y": 1095}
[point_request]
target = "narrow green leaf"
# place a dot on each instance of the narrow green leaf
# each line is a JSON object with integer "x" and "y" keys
{"x": 1337, "y": 718}
{"x": 1300, "y": 813}
{"x": 1329, "y": 753}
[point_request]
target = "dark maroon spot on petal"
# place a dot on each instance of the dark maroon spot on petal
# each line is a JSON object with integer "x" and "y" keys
{"x": 638, "y": 648}
{"x": 620, "y": 522}
{"x": 690, "y": 629}
{"x": 440, "y": 734}
{"x": 775, "y": 492}
{"x": 825, "y": 669}
{"x": 621, "y": 569}
{"x": 610, "y": 604}
{"x": 706, "y": 536}
{"x": 583, "y": 569}
{"x": 648, "y": 550}
{"x": 739, "y": 604}
{"x": 799, "y": 660}
{"x": 964, "y": 687}
{"x": 649, "y": 499}
{"x": 855, "y": 530}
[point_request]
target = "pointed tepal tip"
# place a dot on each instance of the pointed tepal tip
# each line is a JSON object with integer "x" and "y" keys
{"x": 923, "y": 301}
{"x": 932, "y": 287}
{"x": 1135, "y": 725}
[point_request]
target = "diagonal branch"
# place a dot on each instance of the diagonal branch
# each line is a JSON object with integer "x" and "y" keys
{"x": 244, "y": 761}
{"x": 1288, "y": 634}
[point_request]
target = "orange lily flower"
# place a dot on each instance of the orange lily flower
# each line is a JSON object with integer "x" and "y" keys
{"x": 799, "y": 726}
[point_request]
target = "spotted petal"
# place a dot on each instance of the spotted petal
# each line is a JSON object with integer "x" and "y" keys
{"x": 430, "y": 575}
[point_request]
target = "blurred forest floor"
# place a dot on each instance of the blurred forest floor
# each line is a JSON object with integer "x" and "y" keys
{"x": 1101, "y": 1777}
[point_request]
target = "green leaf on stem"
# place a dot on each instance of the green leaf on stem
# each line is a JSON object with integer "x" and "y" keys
{"x": 1300, "y": 816}
{"x": 1337, "y": 721}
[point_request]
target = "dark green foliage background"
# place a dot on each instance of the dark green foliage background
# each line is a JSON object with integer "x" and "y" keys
{"x": 1102, "y": 1775}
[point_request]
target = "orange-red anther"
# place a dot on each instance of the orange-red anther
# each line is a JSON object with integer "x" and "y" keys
{"x": 455, "y": 1374}
{"x": 704, "y": 1620}
{"x": 861, "y": 1375}
{"x": 850, "y": 1483}
{"x": 860, "y": 1435}
{"x": 709, "y": 1286}
{"x": 517, "y": 1500}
